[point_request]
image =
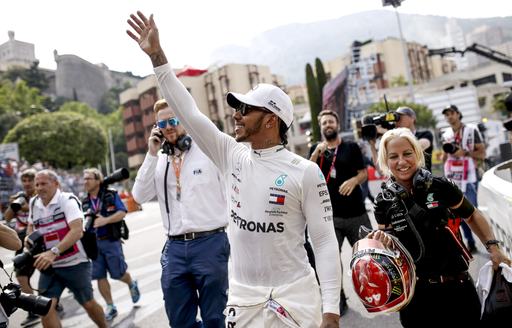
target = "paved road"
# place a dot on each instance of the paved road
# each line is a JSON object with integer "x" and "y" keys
{"x": 143, "y": 253}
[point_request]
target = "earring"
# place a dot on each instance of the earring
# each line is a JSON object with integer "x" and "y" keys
{"x": 268, "y": 126}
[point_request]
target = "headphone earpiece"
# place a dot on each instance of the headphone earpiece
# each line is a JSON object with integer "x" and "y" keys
{"x": 183, "y": 143}
{"x": 422, "y": 180}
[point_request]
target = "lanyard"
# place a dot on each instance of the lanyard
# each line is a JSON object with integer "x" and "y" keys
{"x": 95, "y": 203}
{"x": 177, "y": 163}
{"x": 332, "y": 164}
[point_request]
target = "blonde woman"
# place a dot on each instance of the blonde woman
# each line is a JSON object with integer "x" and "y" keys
{"x": 416, "y": 207}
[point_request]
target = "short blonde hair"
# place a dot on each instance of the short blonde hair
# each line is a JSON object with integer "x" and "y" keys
{"x": 399, "y": 133}
{"x": 94, "y": 171}
{"x": 159, "y": 105}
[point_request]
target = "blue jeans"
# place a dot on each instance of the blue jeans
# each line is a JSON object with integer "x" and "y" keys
{"x": 471, "y": 195}
{"x": 195, "y": 273}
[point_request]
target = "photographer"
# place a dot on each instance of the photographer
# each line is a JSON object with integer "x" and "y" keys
{"x": 463, "y": 147}
{"x": 415, "y": 207}
{"x": 407, "y": 119}
{"x": 18, "y": 210}
{"x": 107, "y": 211}
{"x": 63, "y": 263}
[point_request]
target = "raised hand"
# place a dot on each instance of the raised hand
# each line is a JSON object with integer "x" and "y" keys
{"x": 146, "y": 35}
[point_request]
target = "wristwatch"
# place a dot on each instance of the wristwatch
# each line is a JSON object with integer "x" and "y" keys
{"x": 492, "y": 242}
{"x": 55, "y": 250}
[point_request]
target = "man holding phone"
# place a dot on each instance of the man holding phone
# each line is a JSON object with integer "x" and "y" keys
{"x": 193, "y": 207}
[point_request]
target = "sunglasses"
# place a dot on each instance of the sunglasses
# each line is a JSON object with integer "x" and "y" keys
{"x": 245, "y": 109}
{"x": 173, "y": 121}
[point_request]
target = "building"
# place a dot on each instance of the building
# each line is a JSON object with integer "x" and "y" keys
{"x": 80, "y": 80}
{"x": 209, "y": 90}
{"x": 388, "y": 62}
{"x": 14, "y": 53}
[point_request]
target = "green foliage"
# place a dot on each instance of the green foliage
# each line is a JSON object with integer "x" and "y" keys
{"x": 110, "y": 100}
{"x": 398, "y": 81}
{"x": 17, "y": 101}
{"x": 63, "y": 139}
{"x": 424, "y": 117}
{"x": 321, "y": 79}
{"x": 498, "y": 104}
{"x": 315, "y": 102}
{"x": 32, "y": 76}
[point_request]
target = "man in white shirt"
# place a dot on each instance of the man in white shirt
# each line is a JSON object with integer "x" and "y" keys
{"x": 193, "y": 207}
{"x": 58, "y": 217}
{"x": 273, "y": 194}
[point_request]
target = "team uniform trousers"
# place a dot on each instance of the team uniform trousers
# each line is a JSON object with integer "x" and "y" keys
{"x": 448, "y": 304}
{"x": 195, "y": 273}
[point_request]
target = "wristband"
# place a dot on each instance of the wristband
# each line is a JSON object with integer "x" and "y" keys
{"x": 492, "y": 242}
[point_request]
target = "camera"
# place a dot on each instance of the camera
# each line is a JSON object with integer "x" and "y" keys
{"x": 116, "y": 176}
{"x": 450, "y": 147}
{"x": 20, "y": 199}
{"x": 89, "y": 217}
{"x": 13, "y": 298}
{"x": 36, "y": 245}
{"x": 371, "y": 121}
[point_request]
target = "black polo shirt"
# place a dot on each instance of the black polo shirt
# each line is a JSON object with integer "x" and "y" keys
{"x": 443, "y": 254}
{"x": 349, "y": 160}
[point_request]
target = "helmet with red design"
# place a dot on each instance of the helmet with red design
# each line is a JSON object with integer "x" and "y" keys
{"x": 383, "y": 278}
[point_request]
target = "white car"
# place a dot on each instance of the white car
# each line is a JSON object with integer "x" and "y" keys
{"x": 495, "y": 202}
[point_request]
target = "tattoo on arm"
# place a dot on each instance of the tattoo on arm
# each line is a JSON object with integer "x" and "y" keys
{"x": 158, "y": 59}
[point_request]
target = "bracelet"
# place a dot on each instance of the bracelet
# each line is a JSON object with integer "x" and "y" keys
{"x": 491, "y": 242}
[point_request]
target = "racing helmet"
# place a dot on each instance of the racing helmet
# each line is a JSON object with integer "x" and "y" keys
{"x": 383, "y": 278}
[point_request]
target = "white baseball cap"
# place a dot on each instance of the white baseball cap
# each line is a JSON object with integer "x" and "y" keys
{"x": 267, "y": 96}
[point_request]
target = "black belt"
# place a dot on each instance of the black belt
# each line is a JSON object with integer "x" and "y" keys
{"x": 443, "y": 279}
{"x": 195, "y": 235}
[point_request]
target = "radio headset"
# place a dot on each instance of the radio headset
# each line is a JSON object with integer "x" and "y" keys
{"x": 182, "y": 144}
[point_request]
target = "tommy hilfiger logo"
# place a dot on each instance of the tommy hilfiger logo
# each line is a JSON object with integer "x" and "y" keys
{"x": 276, "y": 199}
{"x": 431, "y": 203}
{"x": 273, "y": 104}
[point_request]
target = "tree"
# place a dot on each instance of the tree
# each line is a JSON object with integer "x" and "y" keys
{"x": 63, "y": 139}
{"x": 17, "y": 101}
{"x": 424, "y": 117}
{"x": 32, "y": 76}
{"x": 498, "y": 104}
{"x": 321, "y": 79}
{"x": 315, "y": 103}
{"x": 398, "y": 81}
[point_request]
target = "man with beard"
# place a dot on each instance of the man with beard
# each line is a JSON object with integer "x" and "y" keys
{"x": 344, "y": 170}
{"x": 273, "y": 194}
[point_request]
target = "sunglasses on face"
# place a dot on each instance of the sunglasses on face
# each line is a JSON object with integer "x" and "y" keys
{"x": 245, "y": 109}
{"x": 173, "y": 121}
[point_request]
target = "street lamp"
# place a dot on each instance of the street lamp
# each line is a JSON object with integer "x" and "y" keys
{"x": 395, "y": 4}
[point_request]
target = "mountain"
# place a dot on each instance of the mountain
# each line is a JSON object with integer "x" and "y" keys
{"x": 288, "y": 48}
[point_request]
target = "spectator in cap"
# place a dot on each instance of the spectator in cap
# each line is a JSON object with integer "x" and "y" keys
{"x": 462, "y": 147}
{"x": 425, "y": 137}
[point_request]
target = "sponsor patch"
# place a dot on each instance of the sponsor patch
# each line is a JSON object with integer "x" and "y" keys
{"x": 276, "y": 199}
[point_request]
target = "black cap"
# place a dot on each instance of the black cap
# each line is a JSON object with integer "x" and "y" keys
{"x": 406, "y": 111}
{"x": 453, "y": 108}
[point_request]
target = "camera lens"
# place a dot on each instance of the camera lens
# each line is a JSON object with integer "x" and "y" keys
{"x": 36, "y": 304}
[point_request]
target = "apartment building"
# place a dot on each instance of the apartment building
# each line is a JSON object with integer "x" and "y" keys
{"x": 208, "y": 89}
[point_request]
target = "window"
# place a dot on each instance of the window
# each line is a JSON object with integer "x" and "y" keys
{"x": 506, "y": 77}
{"x": 485, "y": 80}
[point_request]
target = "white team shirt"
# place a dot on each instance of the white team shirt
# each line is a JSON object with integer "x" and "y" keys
{"x": 62, "y": 204}
{"x": 202, "y": 205}
{"x": 273, "y": 194}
